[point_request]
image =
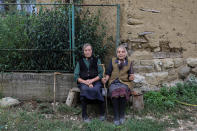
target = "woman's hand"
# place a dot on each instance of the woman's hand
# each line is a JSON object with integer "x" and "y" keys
{"x": 131, "y": 77}
{"x": 91, "y": 86}
{"x": 89, "y": 82}
{"x": 86, "y": 82}
{"x": 104, "y": 80}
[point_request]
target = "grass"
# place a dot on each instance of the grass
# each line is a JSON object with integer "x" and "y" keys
{"x": 161, "y": 112}
{"x": 146, "y": 125}
{"x": 23, "y": 119}
{"x": 31, "y": 121}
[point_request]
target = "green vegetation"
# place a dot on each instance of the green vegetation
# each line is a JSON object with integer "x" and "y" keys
{"x": 166, "y": 99}
{"x": 62, "y": 108}
{"x": 25, "y": 120}
{"x": 45, "y": 38}
{"x": 161, "y": 112}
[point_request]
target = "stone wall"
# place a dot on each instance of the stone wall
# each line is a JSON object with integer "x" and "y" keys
{"x": 152, "y": 74}
{"x": 36, "y": 86}
{"x": 160, "y": 36}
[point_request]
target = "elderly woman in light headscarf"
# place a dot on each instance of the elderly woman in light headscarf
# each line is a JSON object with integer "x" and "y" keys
{"x": 119, "y": 75}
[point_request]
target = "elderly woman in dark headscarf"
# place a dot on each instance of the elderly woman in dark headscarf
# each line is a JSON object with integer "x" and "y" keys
{"x": 88, "y": 74}
{"x": 119, "y": 75}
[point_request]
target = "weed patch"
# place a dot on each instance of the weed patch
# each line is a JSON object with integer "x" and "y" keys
{"x": 165, "y": 99}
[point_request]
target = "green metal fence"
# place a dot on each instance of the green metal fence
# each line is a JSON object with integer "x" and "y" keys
{"x": 49, "y": 37}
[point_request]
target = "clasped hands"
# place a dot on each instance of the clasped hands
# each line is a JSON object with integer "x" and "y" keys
{"x": 89, "y": 82}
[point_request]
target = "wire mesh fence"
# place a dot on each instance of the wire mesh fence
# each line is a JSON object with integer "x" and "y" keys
{"x": 35, "y": 37}
{"x": 49, "y": 37}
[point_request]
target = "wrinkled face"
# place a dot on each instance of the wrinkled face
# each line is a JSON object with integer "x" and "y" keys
{"x": 88, "y": 52}
{"x": 121, "y": 54}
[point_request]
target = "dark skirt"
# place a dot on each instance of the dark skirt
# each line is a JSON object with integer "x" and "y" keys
{"x": 91, "y": 93}
{"x": 118, "y": 89}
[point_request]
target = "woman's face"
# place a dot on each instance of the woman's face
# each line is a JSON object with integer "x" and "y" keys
{"x": 121, "y": 54}
{"x": 88, "y": 52}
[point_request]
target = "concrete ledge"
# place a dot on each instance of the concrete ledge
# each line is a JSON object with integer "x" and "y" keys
{"x": 36, "y": 86}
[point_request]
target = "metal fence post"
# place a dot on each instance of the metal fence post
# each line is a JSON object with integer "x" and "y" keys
{"x": 73, "y": 33}
{"x": 118, "y": 26}
{"x": 70, "y": 33}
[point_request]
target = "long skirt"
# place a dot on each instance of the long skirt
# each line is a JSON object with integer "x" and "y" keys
{"x": 118, "y": 89}
{"x": 91, "y": 93}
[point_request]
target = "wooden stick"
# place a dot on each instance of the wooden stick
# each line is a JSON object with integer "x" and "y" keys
{"x": 54, "y": 89}
{"x": 103, "y": 66}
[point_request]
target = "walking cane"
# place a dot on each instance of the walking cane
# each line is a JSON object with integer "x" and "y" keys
{"x": 103, "y": 66}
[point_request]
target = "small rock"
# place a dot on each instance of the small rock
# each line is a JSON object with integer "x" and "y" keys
{"x": 157, "y": 49}
{"x": 168, "y": 63}
{"x": 192, "y": 62}
{"x": 178, "y": 62}
{"x": 8, "y": 101}
{"x": 184, "y": 72}
{"x": 151, "y": 79}
{"x": 147, "y": 62}
{"x": 146, "y": 69}
{"x": 139, "y": 78}
{"x": 157, "y": 64}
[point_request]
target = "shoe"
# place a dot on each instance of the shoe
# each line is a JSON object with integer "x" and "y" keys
{"x": 122, "y": 120}
{"x": 117, "y": 122}
{"x": 86, "y": 120}
{"x": 102, "y": 118}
